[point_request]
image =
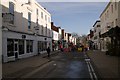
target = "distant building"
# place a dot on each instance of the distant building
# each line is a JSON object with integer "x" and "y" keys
{"x": 26, "y": 29}
{"x": 96, "y": 37}
{"x": 55, "y": 36}
{"x": 90, "y": 39}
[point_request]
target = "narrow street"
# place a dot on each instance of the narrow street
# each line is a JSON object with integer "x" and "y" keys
{"x": 61, "y": 65}
{"x": 64, "y": 65}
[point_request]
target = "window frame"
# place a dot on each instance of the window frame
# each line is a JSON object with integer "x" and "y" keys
{"x": 29, "y": 20}
{"x": 29, "y": 46}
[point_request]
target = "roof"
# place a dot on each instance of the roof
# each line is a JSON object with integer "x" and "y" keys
{"x": 96, "y": 23}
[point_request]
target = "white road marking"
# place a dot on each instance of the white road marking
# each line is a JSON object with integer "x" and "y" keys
{"x": 91, "y": 70}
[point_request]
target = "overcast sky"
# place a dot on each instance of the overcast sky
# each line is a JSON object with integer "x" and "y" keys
{"x": 76, "y": 17}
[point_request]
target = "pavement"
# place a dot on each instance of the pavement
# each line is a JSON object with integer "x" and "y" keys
{"x": 105, "y": 65}
{"x": 13, "y": 69}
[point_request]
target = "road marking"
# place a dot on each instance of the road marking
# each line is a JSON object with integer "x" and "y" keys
{"x": 91, "y": 70}
{"x": 54, "y": 64}
{"x": 36, "y": 70}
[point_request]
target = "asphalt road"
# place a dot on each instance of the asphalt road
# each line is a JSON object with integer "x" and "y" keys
{"x": 63, "y": 65}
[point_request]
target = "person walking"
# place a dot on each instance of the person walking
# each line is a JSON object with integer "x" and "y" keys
{"x": 48, "y": 51}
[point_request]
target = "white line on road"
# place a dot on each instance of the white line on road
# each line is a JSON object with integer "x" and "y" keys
{"x": 91, "y": 70}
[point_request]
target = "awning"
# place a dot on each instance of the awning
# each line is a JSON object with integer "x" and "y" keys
{"x": 112, "y": 32}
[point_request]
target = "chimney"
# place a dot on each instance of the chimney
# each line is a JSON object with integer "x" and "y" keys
{"x": 52, "y": 23}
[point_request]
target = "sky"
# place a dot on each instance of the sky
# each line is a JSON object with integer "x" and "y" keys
{"x": 78, "y": 17}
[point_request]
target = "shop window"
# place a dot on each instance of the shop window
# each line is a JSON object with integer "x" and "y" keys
{"x": 45, "y": 45}
{"x": 39, "y": 46}
{"x": 42, "y": 46}
{"x": 10, "y": 47}
{"x": 21, "y": 47}
{"x": 29, "y": 46}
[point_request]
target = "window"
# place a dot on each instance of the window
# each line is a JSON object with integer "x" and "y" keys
{"x": 29, "y": 46}
{"x": 10, "y": 47}
{"x": 44, "y": 46}
{"x": 46, "y": 29}
{"x": 112, "y": 24}
{"x": 49, "y": 19}
{"x": 107, "y": 14}
{"x": 115, "y": 5}
{"x": 42, "y": 15}
{"x": 11, "y": 7}
{"x": 46, "y": 17}
{"x": 29, "y": 20}
{"x": 39, "y": 46}
{"x": 41, "y": 29}
{"x": 116, "y": 22}
{"x": 98, "y": 25}
{"x": 49, "y": 33}
{"x": 37, "y": 12}
{"x": 11, "y": 11}
{"x": 21, "y": 47}
{"x": 37, "y": 22}
{"x": 29, "y": 1}
{"x": 112, "y": 8}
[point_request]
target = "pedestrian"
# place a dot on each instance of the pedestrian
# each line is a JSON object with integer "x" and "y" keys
{"x": 48, "y": 51}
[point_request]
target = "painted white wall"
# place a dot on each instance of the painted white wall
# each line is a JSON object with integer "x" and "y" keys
{"x": 55, "y": 35}
{"x": 21, "y": 25}
{"x": 21, "y": 16}
{"x": 0, "y": 41}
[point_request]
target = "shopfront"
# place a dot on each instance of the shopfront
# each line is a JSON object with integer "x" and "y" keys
{"x": 19, "y": 45}
{"x": 15, "y": 47}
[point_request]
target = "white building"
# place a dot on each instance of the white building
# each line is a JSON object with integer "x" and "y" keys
{"x": 109, "y": 18}
{"x": 96, "y": 37}
{"x": 74, "y": 40}
{"x": 26, "y": 29}
{"x": 60, "y": 33}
